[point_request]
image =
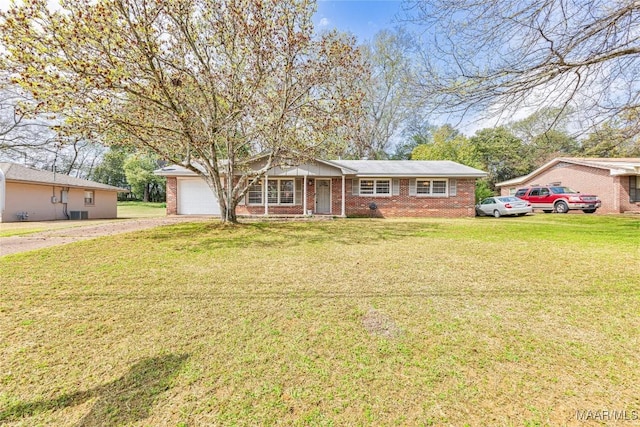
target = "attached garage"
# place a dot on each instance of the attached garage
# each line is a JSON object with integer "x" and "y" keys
{"x": 196, "y": 198}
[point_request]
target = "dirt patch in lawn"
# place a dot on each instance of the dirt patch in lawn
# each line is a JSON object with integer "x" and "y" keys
{"x": 54, "y": 236}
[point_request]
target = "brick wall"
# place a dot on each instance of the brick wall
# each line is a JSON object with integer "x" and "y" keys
{"x": 172, "y": 195}
{"x": 625, "y": 204}
{"x": 402, "y": 205}
{"x": 612, "y": 190}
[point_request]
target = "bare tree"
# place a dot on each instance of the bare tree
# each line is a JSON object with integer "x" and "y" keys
{"x": 33, "y": 141}
{"x": 23, "y": 139}
{"x": 388, "y": 104}
{"x": 495, "y": 56}
{"x": 205, "y": 83}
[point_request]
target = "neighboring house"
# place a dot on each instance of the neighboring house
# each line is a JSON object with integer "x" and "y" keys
{"x": 381, "y": 188}
{"x": 35, "y": 195}
{"x": 615, "y": 181}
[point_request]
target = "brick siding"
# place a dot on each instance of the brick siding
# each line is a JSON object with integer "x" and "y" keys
{"x": 612, "y": 190}
{"x": 172, "y": 195}
{"x": 402, "y": 205}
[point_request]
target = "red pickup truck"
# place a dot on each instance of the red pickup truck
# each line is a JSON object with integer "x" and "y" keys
{"x": 551, "y": 198}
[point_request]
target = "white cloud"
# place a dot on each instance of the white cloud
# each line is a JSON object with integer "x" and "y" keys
{"x": 324, "y": 22}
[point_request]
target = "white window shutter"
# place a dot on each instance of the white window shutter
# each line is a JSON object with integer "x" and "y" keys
{"x": 453, "y": 187}
{"x": 396, "y": 187}
{"x": 412, "y": 187}
{"x": 355, "y": 186}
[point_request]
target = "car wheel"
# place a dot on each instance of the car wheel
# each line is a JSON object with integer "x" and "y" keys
{"x": 561, "y": 207}
{"x": 588, "y": 210}
{"x": 496, "y": 213}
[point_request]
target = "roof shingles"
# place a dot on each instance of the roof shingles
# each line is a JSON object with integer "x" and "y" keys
{"x": 15, "y": 172}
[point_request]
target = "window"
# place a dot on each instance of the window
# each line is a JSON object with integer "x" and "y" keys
{"x": 367, "y": 186}
{"x": 439, "y": 188}
{"x": 375, "y": 187}
{"x": 286, "y": 192}
{"x": 634, "y": 189}
{"x": 431, "y": 187}
{"x": 383, "y": 186}
{"x": 279, "y": 192}
{"x": 89, "y": 198}
{"x": 423, "y": 186}
{"x": 254, "y": 194}
{"x": 272, "y": 192}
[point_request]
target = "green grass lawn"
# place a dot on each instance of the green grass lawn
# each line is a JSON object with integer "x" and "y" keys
{"x": 141, "y": 209}
{"x": 511, "y": 321}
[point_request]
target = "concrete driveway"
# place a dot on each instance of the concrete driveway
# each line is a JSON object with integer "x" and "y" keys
{"x": 53, "y": 233}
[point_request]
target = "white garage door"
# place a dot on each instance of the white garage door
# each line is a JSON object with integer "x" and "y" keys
{"x": 196, "y": 198}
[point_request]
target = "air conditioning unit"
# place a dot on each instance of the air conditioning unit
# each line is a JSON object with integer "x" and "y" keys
{"x": 78, "y": 214}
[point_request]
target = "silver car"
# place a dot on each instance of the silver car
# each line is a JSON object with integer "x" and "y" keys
{"x": 503, "y": 205}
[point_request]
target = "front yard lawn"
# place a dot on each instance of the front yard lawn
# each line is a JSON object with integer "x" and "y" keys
{"x": 517, "y": 321}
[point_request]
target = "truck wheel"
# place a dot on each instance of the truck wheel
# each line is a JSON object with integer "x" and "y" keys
{"x": 561, "y": 207}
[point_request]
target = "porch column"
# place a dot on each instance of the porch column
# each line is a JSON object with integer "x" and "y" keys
{"x": 266, "y": 194}
{"x": 304, "y": 195}
{"x": 343, "y": 214}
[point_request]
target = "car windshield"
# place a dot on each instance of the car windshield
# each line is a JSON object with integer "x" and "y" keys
{"x": 508, "y": 199}
{"x": 562, "y": 190}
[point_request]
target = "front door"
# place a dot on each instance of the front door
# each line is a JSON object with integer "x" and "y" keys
{"x": 323, "y": 196}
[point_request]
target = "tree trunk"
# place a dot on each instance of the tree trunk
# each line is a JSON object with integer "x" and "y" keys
{"x": 228, "y": 215}
{"x": 145, "y": 196}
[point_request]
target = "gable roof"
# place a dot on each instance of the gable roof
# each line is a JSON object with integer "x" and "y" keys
{"x": 411, "y": 168}
{"x": 19, "y": 173}
{"x": 615, "y": 166}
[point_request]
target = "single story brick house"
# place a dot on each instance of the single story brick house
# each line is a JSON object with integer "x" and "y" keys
{"x": 35, "y": 195}
{"x": 615, "y": 181}
{"x": 381, "y": 188}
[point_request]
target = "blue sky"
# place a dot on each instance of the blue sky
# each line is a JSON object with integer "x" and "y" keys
{"x": 363, "y": 18}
